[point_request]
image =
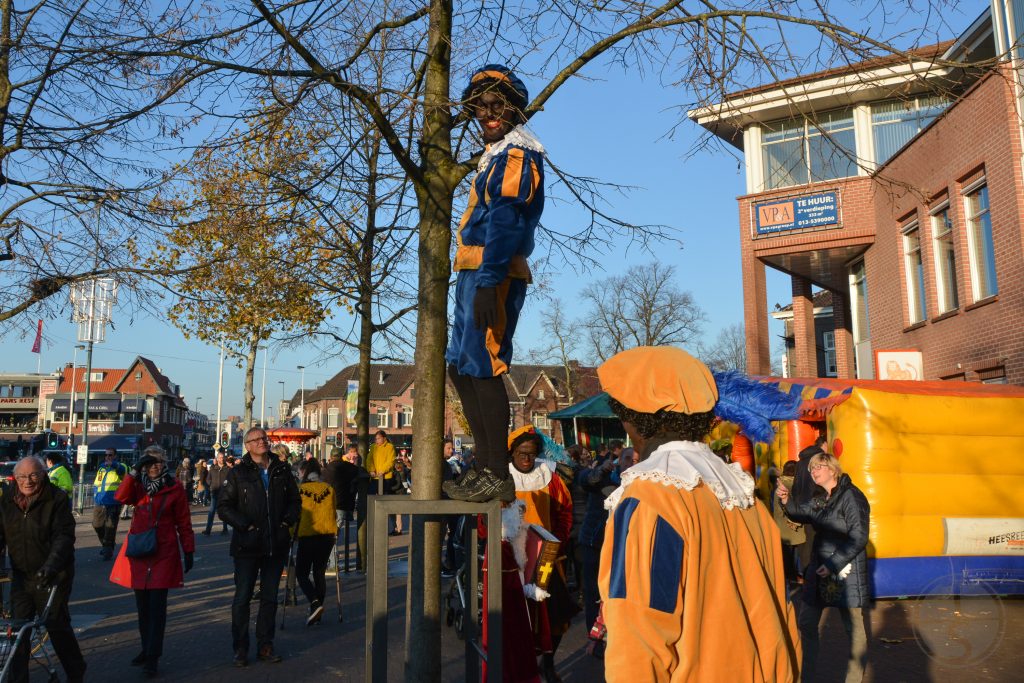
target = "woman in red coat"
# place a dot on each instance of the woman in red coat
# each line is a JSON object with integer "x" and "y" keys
{"x": 159, "y": 500}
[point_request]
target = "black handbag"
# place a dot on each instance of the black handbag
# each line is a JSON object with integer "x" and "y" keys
{"x": 143, "y": 544}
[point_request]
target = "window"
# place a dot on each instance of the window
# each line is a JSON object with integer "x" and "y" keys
{"x": 996, "y": 375}
{"x": 828, "y": 341}
{"x": 894, "y": 122}
{"x": 979, "y": 243}
{"x": 539, "y": 420}
{"x": 797, "y": 151}
{"x": 540, "y": 394}
{"x": 96, "y": 377}
{"x": 945, "y": 260}
{"x": 332, "y": 418}
{"x": 404, "y": 417}
{"x": 382, "y": 417}
{"x": 862, "y": 358}
{"x": 914, "y": 273}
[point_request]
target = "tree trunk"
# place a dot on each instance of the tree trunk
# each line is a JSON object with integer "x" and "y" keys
{"x": 423, "y": 608}
{"x": 365, "y": 307}
{"x": 250, "y": 370}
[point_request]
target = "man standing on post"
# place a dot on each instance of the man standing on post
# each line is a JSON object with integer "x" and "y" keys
{"x": 107, "y": 510}
{"x": 38, "y": 530}
{"x": 215, "y": 479}
{"x": 260, "y": 501}
{"x": 495, "y": 237}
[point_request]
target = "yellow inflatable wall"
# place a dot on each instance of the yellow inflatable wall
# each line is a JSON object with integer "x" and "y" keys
{"x": 942, "y": 465}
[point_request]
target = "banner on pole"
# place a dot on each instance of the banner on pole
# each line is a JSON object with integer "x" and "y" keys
{"x": 351, "y": 401}
{"x": 38, "y": 343}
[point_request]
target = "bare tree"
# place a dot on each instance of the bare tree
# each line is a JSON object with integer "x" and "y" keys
{"x": 644, "y": 307}
{"x": 85, "y": 136}
{"x": 729, "y": 350}
{"x": 704, "y": 49}
{"x": 561, "y": 342}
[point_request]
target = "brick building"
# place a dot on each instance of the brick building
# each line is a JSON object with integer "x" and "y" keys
{"x": 129, "y": 409}
{"x": 533, "y": 391}
{"x": 895, "y": 185}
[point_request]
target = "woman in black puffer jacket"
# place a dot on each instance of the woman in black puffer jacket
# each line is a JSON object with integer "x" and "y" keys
{"x": 837, "y": 575}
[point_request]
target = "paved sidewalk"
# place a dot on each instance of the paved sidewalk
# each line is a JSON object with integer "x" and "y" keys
{"x": 934, "y": 641}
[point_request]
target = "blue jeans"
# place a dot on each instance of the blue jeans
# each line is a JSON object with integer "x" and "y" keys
{"x": 268, "y": 569}
{"x": 213, "y": 511}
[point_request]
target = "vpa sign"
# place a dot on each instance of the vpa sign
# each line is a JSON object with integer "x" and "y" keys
{"x": 797, "y": 213}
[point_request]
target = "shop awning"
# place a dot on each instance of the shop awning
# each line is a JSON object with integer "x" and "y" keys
{"x": 119, "y": 442}
{"x": 60, "y": 405}
{"x": 133, "y": 405}
{"x": 99, "y": 405}
{"x": 595, "y": 406}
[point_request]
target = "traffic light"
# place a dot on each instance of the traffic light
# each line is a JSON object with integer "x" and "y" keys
{"x": 52, "y": 441}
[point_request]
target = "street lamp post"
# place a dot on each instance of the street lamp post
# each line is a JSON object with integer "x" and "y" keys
{"x": 92, "y": 303}
{"x": 263, "y": 392}
{"x": 302, "y": 396}
{"x": 74, "y": 384}
{"x": 220, "y": 392}
{"x": 280, "y": 413}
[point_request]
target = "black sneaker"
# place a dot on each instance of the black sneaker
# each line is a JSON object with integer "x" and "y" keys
{"x": 486, "y": 486}
{"x": 241, "y": 659}
{"x": 316, "y": 611}
{"x": 462, "y": 480}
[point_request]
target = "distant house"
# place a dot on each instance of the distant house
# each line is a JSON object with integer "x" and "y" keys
{"x": 129, "y": 409}
{"x": 533, "y": 391}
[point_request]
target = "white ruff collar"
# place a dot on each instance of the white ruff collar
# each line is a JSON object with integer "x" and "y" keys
{"x": 535, "y": 479}
{"x": 517, "y": 137}
{"x": 684, "y": 465}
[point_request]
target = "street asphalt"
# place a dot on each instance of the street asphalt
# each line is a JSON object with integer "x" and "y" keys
{"x": 921, "y": 641}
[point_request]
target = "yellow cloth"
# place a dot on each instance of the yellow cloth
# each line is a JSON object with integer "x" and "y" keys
{"x": 729, "y": 619}
{"x": 318, "y": 512}
{"x": 381, "y": 459}
{"x": 652, "y": 378}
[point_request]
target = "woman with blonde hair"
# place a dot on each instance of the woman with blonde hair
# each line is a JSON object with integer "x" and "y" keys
{"x": 837, "y": 575}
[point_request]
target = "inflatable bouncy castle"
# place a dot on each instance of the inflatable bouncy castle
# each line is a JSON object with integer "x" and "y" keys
{"x": 942, "y": 465}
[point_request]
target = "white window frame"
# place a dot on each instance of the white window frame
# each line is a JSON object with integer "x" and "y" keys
{"x": 382, "y": 417}
{"x": 332, "y": 417}
{"x": 828, "y": 343}
{"x": 404, "y": 417}
{"x": 540, "y": 420}
{"x": 811, "y": 130}
{"x": 968, "y": 192}
{"x": 939, "y": 232}
{"x": 914, "y": 286}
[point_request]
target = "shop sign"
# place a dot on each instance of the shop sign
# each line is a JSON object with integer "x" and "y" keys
{"x": 797, "y": 213}
{"x": 30, "y": 402}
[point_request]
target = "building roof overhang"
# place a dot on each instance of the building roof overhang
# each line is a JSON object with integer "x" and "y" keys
{"x": 826, "y": 90}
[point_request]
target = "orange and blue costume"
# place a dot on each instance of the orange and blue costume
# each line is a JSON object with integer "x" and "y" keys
{"x": 495, "y": 237}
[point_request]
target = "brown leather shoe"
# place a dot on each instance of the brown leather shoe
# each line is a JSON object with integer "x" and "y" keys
{"x": 267, "y": 654}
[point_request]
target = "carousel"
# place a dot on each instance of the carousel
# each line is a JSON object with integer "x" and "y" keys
{"x": 295, "y": 438}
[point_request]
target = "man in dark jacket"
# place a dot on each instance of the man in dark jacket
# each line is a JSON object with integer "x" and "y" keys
{"x": 38, "y": 530}
{"x": 340, "y": 475}
{"x": 804, "y": 489}
{"x": 215, "y": 480}
{"x": 597, "y": 481}
{"x": 259, "y": 501}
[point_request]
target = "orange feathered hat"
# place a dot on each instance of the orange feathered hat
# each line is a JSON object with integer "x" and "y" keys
{"x": 652, "y": 378}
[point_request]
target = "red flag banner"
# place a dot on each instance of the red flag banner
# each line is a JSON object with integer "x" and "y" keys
{"x": 38, "y": 343}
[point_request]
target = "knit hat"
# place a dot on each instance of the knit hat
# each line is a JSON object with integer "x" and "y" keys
{"x": 649, "y": 379}
{"x": 499, "y": 78}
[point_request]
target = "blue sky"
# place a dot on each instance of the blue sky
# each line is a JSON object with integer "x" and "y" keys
{"x": 613, "y": 129}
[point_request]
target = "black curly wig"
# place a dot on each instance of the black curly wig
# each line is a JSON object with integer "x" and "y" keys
{"x": 688, "y": 427}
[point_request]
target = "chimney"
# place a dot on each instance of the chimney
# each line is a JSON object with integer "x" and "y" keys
{"x": 381, "y": 380}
